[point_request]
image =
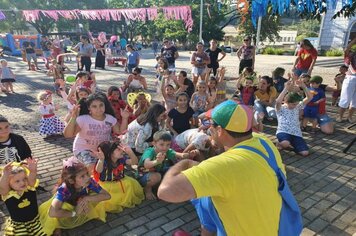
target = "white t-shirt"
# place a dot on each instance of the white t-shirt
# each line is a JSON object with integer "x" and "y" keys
{"x": 192, "y": 136}
{"x": 288, "y": 120}
{"x": 47, "y": 109}
{"x": 92, "y": 132}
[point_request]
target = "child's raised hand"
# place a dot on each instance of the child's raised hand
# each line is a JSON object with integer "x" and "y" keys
{"x": 7, "y": 169}
{"x": 32, "y": 164}
{"x": 288, "y": 85}
{"x": 300, "y": 83}
{"x": 75, "y": 111}
{"x": 125, "y": 113}
{"x": 125, "y": 148}
{"x": 161, "y": 156}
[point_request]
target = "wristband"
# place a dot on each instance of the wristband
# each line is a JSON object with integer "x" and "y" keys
{"x": 74, "y": 213}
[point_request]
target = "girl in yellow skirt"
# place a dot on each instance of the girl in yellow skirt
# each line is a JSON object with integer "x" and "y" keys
{"x": 109, "y": 171}
{"x": 18, "y": 191}
{"x": 76, "y": 200}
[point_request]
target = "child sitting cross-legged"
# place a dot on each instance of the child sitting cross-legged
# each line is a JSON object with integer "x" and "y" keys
{"x": 109, "y": 172}
{"x": 289, "y": 134}
{"x": 156, "y": 161}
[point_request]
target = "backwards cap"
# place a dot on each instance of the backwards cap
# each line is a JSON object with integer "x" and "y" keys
{"x": 232, "y": 116}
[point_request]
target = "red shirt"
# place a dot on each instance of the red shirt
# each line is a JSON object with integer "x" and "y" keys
{"x": 117, "y": 105}
{"x": 305, "y": 58}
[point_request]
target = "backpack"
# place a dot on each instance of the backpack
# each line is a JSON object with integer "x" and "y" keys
{"x": 290, "y": 220}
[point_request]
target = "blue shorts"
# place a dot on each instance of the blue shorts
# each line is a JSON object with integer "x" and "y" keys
{"x": 208, "y": 215}
{"x": 324, "y": 119}
{"x": 86, "y": 157}
{"x": 143, "y": 179}
{"x": 297, "y": 142}
{"x": 300, "y": 71}
{"x": 311, "y": 112}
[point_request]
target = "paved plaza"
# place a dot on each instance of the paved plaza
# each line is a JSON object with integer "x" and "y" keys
{"x": 323, "y": 183}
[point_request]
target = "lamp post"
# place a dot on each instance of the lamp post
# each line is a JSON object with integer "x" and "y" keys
{"x": 201, "y": 21}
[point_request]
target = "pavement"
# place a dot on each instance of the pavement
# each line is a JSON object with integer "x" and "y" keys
{"x": 323, "y": 183}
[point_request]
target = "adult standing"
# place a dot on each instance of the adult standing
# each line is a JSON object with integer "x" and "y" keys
{"x": 170, "y": 52}
{"x": 199, "y": 61}
{"x": 85, "y": 50}
{"x": 213, "y": 51}
{"x": 236, "y": 192}
{"x": 155, "y": 46}
{"x": 348, "y": 89}
{"x": 29, "y": 48}
{"x": 306, "y": 58}
{"x": 46, "y": 46}
{"x": 133, "y": 58}
{"x": 246, "y": 54}
{"x": 100, "y": 46}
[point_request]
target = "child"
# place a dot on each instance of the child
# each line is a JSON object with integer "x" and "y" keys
{"x": 156, "y": 161}
{"x": 246, "y": 91}
{"x": 278, "y": 80}
{"x": 181, "y": 116}
{"x": 83, "y": 79}
{"x": 7, "y": 76}
{"x": 91, "y": 123}
{"x": 75, "y": 201}
{"x": 139, "y": 135}
{"x": 289, "y": 133}
{"x": 339, "y": 78}
{"x": 169, "y": 99}
{"x": 58, "y": 70}
{"x": 139, "y": 102}
{"x": 81, "y": 93}
{"x": 199, "y": 101}
{"x": 311, "y": 110}
{"x": 50, "y": 123}
{"x": 109, "y": 171}
{"x": 118, "y": 104}
{"x": 212, "y": 92}
{"x": 18, "y": 191}
{"x": 13, "y": 147}
{"x": 221, "y": 86}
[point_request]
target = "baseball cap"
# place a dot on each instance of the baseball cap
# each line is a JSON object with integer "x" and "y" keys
{"x": 232, "y": 116}
{"x": 316, "y": 79}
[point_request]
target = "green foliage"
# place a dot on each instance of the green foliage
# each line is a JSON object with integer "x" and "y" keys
{"x": 269, "y": 28}
{"x": 334, "y": 53}
{"x": 273, "y": 51}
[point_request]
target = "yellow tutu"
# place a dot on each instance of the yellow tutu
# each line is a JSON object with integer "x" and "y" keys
{"x": 124, "y": 193}
{"x": 50, "y": 224}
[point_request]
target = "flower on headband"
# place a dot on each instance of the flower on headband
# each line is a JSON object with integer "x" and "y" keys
{"x": 71, "y": 162}
{"x": 43, "y": 96}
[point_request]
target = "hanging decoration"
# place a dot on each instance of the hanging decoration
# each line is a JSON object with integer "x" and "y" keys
{"x": 2, "y": 16}
{"x": 174, "y": 12}
{"x": 259, "y": 7}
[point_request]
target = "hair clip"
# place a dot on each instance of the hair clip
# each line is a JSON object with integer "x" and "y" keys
{"x": 70, "y": 162}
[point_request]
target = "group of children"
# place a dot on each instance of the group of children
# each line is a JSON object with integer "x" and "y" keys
{"x": 112, "y": 134}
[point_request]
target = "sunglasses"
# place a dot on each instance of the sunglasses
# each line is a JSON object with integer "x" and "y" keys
{"x": 165, "y": 42}
{"x": 246, "y": 40}
{"x": 134, "y": 73}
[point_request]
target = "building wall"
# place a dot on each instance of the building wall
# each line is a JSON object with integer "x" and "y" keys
{"x": 335, "y": 32}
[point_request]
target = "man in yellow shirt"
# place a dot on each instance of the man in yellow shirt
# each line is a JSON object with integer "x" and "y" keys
{"x": 236, "y": 192}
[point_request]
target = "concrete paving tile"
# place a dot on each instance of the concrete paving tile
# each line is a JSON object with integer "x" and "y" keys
{"x": 318, "y": 225}
{"x": 172, "y": 225}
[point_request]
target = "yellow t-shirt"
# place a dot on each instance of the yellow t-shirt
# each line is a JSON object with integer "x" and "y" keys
{"x": 243, "y": 189}
{"x": 266, "y": 96}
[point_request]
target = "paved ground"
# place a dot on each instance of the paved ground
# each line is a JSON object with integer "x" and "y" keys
{"x": 324, "y": 183}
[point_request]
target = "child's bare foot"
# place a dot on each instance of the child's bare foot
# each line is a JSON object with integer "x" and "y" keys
{"x": 149, "y": 195}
